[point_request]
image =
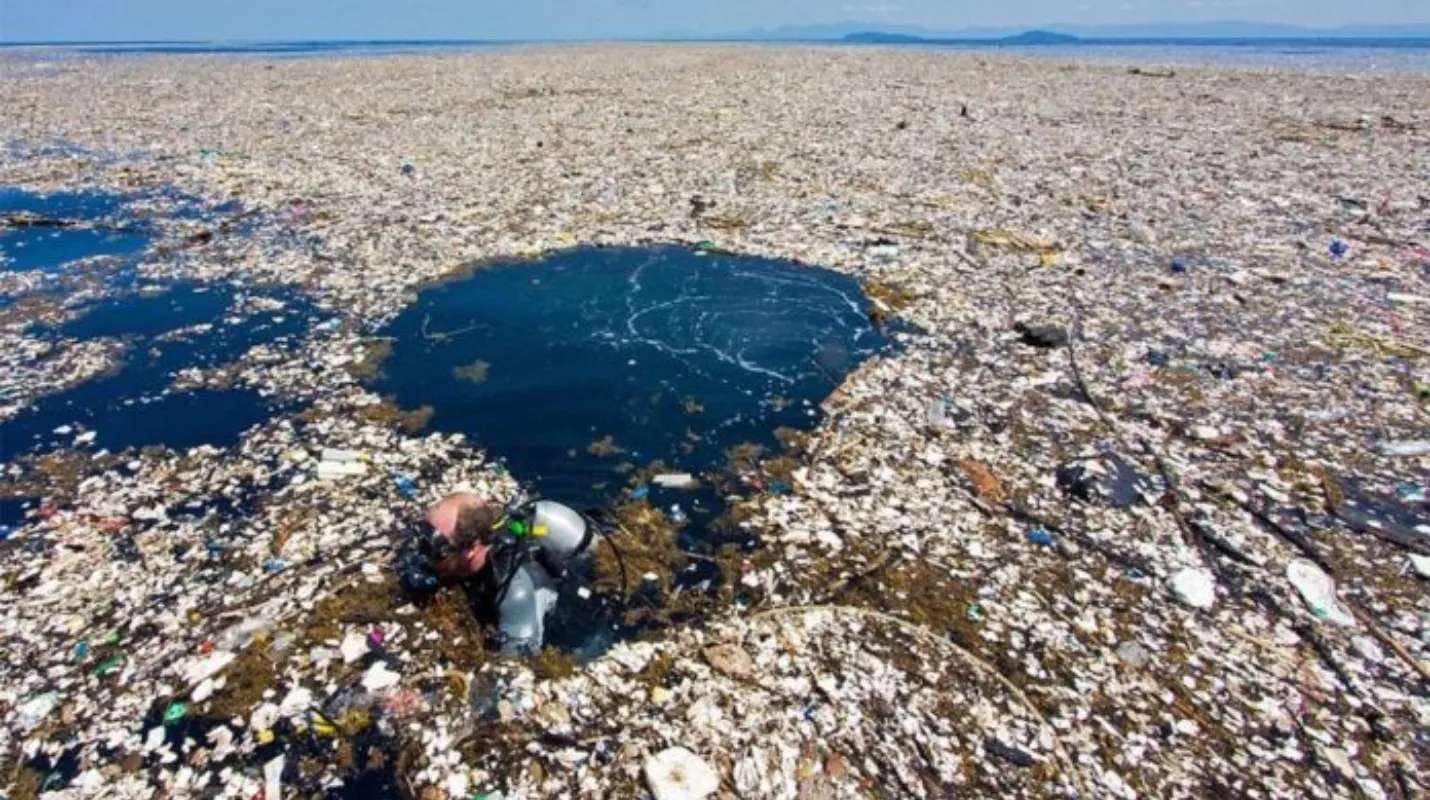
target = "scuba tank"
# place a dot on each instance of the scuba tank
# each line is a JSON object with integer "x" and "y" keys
{"x": 540, "y": 540}
{"x": 530, "y": 596}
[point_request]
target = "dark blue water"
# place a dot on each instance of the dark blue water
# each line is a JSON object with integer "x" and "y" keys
{"x": 672, "y": 355}
{"x": 132, "y": 407}
{"x": 97, "y": 227}
{"x": 13, "y": 511}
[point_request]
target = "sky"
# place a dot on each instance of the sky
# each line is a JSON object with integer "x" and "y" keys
{"x": 91, "y": 20}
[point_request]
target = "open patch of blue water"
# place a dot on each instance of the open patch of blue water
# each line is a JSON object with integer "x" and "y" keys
{"x": 43, "y": 231}
{"x": 577, "y": 368}
{"x": 166, "y": 329}
{"x": 13, "y": 511}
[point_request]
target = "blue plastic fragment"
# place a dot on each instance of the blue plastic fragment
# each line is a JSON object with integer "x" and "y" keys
{"x": 81, "y": 650}
{"x": 1040, "y": 536}
{"x": 640, "y": 492}
{"x": 275, "y": 565}
{"x": 1178, "y": 265}
{"x": 1339, "y": 248}
{"x": 779, "y": 487}
{"x": 406, "y": 485}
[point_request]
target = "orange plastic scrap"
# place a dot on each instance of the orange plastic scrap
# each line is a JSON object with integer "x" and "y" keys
{"x": 985, "y": 484}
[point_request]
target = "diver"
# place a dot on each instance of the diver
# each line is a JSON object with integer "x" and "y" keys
{"x": 514, "y": 559}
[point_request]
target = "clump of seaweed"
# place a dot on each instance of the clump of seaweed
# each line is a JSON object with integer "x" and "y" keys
{"x": 369, "y": 365}
{"x": 605, "y": 447}
{"x": 793, "y": 440}
{"x": 251, "y": 674}
{"x": 553, "y": 664}
{"x": 656, "y": 673}
{"x": 388, "y": 414}
{"x": 888, "y": 300}
{"x": 475, "y": 372}
{"x": 644, "y": 545}
{"x": 461, "y": 640}
{"x": 744, "y": 457}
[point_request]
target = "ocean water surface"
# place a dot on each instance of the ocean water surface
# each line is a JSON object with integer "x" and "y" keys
{"x": 595, "y": 363}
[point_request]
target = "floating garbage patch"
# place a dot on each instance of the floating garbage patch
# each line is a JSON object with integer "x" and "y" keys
{"x": 584, "y": 370}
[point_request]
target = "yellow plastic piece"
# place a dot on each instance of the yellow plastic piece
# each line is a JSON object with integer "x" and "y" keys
{"x": 265, "y": 736}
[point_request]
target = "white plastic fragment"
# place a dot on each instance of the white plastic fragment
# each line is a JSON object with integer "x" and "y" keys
{"x": 203, "y": 691}
{"x": 1405, "y": 448}
{"x": 675, "y": 480}
{"x": 1368, "y": 649}
{"x": 1195, "y": 587}
{"x": 1421, "y": 564}
{"x": 1319, "y": 591}
{"x": 298, "y": 700}
{"x": 379, "y": 677}
{"x": 328, "y": 470}
{"x": 208, "y": 666}
{"x": 354, "y": 646}
{"x": 678, "y": 774}
{"x": 34, "y": 710}
{"x": 273, "y": 779}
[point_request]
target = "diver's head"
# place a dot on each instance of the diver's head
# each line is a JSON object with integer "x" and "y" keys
{"x": 474, "y": 525}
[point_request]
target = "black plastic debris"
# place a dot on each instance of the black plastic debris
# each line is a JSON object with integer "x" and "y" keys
{"x": 1107, "y": 479}
{"x": 1046, "y": 337}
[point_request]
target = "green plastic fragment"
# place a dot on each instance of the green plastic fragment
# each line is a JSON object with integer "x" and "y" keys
{"x": 975, "y": 612}
{"x": 112, "y": 638}
{"x": 175, "y": 712}
{"x": 704, "y": 245}
{"x": 109, "y": 665}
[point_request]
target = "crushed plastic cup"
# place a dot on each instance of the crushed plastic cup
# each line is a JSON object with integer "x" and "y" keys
{"x": 1319, "y": 591}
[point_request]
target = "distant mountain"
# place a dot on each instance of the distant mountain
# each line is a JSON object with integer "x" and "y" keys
{"x": 1025, "y": 38}
{"x": 879, "y": 37}
{"x": 832, "y": 31}
{"x": 1040, "y": 37}
{"x": 873, "y": 32}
